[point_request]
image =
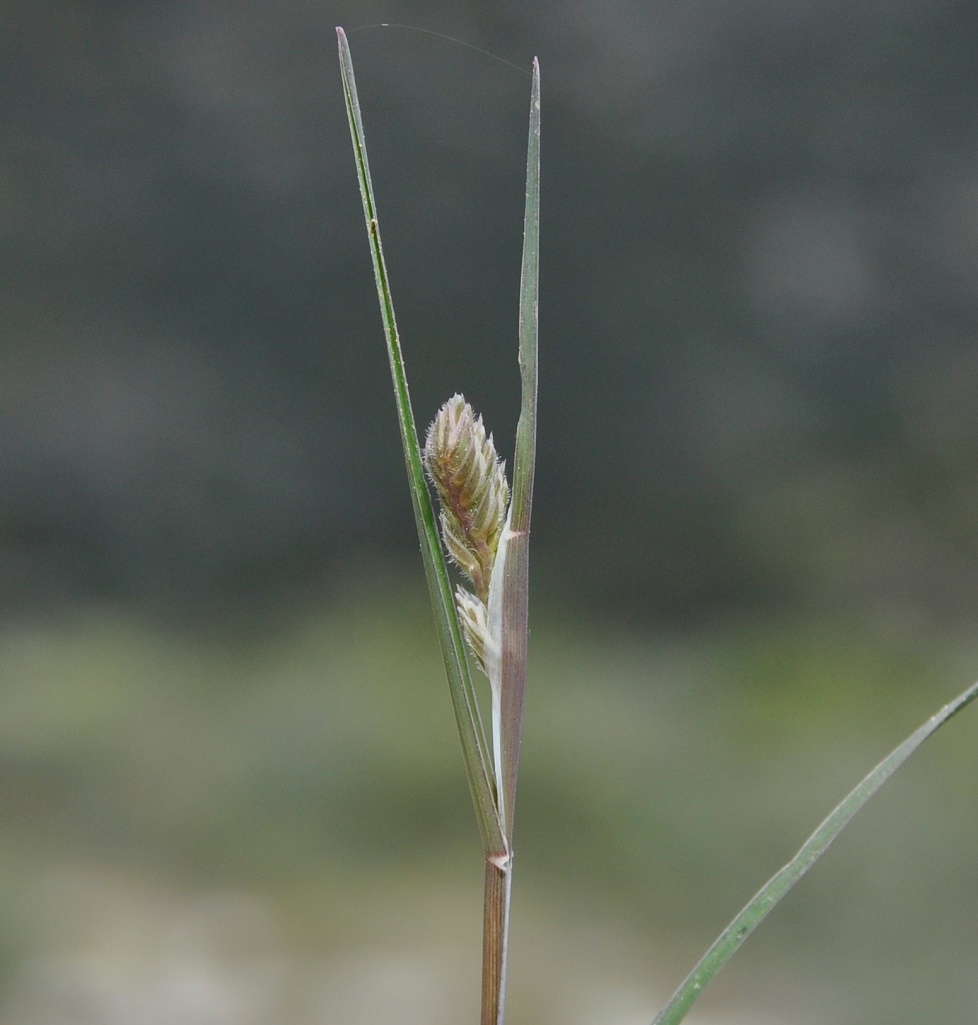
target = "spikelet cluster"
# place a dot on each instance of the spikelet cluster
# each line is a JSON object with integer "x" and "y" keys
{"x": 470, "y": 479}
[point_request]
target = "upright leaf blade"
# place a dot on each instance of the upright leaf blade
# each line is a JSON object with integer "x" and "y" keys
{"x": 515, "y": 583}
{"x": 474, "y": 749}
{"x": 509, "y": 595}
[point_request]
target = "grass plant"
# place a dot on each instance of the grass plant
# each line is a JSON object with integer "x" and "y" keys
{"x": 502, "y": 603}
{"x": 485, "y": 530}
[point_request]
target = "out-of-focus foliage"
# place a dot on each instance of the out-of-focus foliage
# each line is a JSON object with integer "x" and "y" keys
{"x": 761, "y": 241}
{"x": 279, "y": 829}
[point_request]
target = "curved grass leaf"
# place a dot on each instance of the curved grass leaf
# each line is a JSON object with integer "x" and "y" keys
{"x": 814, "y": 847}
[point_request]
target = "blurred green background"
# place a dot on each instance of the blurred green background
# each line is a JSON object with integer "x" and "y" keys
{"x": 230, "y": 789}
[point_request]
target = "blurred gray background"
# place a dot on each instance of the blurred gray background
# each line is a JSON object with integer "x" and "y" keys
{"x": 229, "y": 787}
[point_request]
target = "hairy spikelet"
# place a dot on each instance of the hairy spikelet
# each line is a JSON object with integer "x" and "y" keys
{"x": 474, "y": 619}
{"x": 462, "y": 464}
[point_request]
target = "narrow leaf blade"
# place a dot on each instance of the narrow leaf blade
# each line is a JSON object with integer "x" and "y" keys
{"x": 515, "y": 596}
{"x": 474, "y": 748}
{"x": 814, "y": 847}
